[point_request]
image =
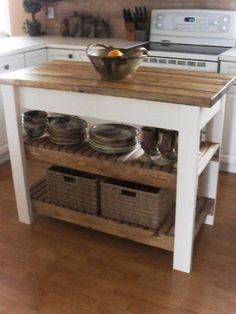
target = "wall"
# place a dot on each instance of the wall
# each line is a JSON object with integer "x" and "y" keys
{"x": 17, "y": 17}
{"x": 111, "y": 10}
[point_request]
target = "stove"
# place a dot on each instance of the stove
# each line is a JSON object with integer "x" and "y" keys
{"x": 190, "y": 39}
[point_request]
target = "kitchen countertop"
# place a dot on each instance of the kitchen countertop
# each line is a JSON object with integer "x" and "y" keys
{"x": 19, "y": 44}
{"x": 14, "y": 45}
{"x": 229, "y": 55}
{"x": 166, "y": 85}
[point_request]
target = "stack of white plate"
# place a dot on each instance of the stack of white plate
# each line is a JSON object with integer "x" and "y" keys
{"x": 112, "y": 138}
{"x": 66, "y": 130}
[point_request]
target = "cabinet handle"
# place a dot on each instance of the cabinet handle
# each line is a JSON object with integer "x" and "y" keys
{"x": 6, "y": 66}
{"x": 70, "y": 56}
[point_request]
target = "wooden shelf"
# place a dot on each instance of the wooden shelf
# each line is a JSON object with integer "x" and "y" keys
{"x": 125, "y": 167}
{"x": 208, "y": 151}
{"x": 161, "y": 238}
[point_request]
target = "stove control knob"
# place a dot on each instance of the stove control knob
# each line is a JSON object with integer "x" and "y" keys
{"x": 224, "y": 28}
{"x": 215, "y": 22}
{"x": 159, "y": 25}
{"x": 225, "y": 19}
{"x": 159, "y": 17}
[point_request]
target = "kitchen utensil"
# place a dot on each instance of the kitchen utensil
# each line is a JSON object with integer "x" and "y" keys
{"x": 113, "y": 132}
{"x": 34, "y": 130}
{"x": 166, "y": 144}
{"x": 129, "y": 24}
{"x": 113, "y": 138}
{"x": 67, "y": 130}
{"x": 66, "y": 122}
{"x": 149, "y": 143}
{"x": 35, "y": 116}
{"x": 115, "y": 68}
{"x": 34, "y": 122}
{"x": 141, "y": 22}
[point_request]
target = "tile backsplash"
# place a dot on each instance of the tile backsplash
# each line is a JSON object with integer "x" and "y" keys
{"x": 111, "y": 10}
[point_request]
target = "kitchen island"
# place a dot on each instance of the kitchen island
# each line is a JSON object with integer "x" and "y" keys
{"x": 178, "y": 100}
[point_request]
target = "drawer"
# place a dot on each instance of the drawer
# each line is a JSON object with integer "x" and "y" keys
{"x": 35, "y": 57}
{"x": 80, "y": 55}
{"x": 11, "y": 63}
{"x": 60, "y": 54}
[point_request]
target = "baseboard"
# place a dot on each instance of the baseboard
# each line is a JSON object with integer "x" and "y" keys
{"x": 228, "y": 163}
{"x": 4, "y": 157}
{"x": 4, "y": 153}
{"x": 228, "y": 167}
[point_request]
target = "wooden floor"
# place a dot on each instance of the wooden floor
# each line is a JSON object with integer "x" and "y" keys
{"x": 55, "y": 267}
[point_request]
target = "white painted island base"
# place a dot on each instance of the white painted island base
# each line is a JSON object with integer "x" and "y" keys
{"x": 187, "y": 120}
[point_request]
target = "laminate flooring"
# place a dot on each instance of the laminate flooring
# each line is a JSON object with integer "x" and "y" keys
{"x": 53, "y": 267}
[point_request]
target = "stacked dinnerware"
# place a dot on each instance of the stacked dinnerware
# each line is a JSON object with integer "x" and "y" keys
{"x": 66, "y": 130}
{"x": 112, "y": 138}
{"x": 34, "y": 122}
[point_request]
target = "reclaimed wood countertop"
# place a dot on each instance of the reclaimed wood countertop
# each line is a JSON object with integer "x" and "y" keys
{"x": 193, "y": 88}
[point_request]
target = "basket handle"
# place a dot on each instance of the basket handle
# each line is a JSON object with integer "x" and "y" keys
{"x": 88, "y": 50}
{"x": 69, "y": 179}
{"x": 128, "y": 193}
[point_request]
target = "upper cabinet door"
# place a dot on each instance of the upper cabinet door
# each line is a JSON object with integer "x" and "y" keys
{"x": 35, "y": 57}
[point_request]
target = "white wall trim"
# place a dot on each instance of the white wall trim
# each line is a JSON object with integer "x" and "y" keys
{"x": 228, "y": 167}
{"x": 228, "y": 163}
{"x": 4, "y": 157}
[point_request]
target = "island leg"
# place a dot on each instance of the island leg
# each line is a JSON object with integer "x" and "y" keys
{"x": 187, "y": 183}
{"x": 17, "y": 153}
{"x": 211, "y": 174}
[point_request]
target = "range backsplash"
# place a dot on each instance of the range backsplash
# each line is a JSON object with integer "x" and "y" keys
{"x": 111, "y": 10}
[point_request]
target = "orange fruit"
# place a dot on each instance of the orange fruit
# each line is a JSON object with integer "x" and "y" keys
{"x": 114, "y": 53}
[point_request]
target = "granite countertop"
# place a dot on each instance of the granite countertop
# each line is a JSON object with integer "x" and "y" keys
{"x": 13, "y": 45}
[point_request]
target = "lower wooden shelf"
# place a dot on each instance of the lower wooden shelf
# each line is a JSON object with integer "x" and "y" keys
{"x": 161, "y": 238}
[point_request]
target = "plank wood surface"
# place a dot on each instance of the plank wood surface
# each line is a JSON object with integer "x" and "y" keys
{"x": 201, "y": 89}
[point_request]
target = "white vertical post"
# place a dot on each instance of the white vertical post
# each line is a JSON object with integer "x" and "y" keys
{"x": 211, "y": 174}
{"x": 187, "y": 182}
{"x": 17, "y": 153}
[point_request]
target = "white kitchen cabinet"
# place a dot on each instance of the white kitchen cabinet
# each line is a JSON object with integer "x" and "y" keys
{"x": 35, "y": 57}
{"x": 228, "y": 152}
{"x": 60, "y": 54}
{"x": 11, "y": 63}
{"x": 80, "y": 55}
{"x": 66, "y": 54}
{"x": 7, "y": 64}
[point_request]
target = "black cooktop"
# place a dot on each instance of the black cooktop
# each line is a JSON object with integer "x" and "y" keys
{"x": 191, "y": 49}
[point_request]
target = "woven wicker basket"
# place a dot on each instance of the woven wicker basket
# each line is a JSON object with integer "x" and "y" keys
{"x": 135, "y": 203}
{"x": 73, "y": 189}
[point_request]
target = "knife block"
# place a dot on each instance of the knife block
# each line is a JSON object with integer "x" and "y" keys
{"x": 130, "y": 31}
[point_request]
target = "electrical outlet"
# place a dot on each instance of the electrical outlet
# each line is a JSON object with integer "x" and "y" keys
{"x": 51, "y": 13}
